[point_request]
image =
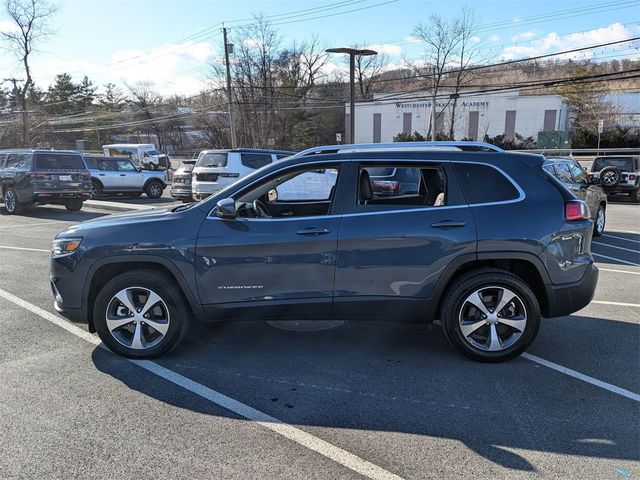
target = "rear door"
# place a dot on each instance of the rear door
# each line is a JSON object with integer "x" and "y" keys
{"x": 392, "y": 248}
{"x": 108, "y": 174}
{"x": 60, "y": 172}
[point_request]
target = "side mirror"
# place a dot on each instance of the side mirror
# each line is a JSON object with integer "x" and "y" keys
{"x": 138, "y": 169}
{"x": 226, "y": 208}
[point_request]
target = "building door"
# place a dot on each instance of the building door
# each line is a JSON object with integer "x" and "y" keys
{"x": 474, "y": 119}
{"x": 510, "y": 124}
{"x": 377, "y": 127}
{"x": 549, "y": 121}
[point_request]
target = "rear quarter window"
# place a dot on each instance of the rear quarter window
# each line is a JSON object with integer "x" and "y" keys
{"x": 484, "y": 184}
{"x": 255, "y": 160}
{"x": 91, "y": 162}
{"x": 57, "y": 161}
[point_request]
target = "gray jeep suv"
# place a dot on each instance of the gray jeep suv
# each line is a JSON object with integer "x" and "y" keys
{"x": 487, "y": 242}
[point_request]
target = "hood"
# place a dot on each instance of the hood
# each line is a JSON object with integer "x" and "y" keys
{"x": 119, "y": 220}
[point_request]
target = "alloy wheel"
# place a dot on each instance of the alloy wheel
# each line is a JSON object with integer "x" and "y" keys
{"x": 10, "y": 201}
{"x": 600, "y": 220}
{"x": 492, "y": 318}
{"x": 156, "y": 191}
{"x": 609, "y": 178}
{"x": 137, "y": 318}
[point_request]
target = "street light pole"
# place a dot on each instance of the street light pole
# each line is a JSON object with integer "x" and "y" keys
{"x": 232, "y": 125}
{"x": 352, "y": 52}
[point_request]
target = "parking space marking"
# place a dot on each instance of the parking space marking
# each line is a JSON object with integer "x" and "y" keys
{"x": 585, "y": 378}
{"x": 626, "y": 231}
{"x": 617, "y": 271}
{"x": 615, "y": 259}
{"x": 619, "y": 304}
{"x": 620, "y": 238}
{"x": 6, "y": 247}
{"x": 614, "y": 246}
{"x": 32, "y": 224}
{"x": 311, "y": 442}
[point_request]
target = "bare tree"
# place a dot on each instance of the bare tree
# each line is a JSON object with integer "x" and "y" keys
{"x": 367, "y": 71}
{"x": 31, "y": 19}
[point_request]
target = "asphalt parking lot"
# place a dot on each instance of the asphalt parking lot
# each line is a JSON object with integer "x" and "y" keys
{"x": 367, "y": 400}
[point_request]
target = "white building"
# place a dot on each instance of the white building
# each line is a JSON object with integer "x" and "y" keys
{"x": 476, "y": 115}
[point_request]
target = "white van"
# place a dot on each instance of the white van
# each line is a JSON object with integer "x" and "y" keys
{"x": 144, "y": 155}
{"x": 215, "y": 169}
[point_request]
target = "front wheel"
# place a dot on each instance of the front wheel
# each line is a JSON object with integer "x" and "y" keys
{"x": 141, "y": 314}
{"x": 151, "y": 166}
{"x": 490, "y": 315}
{"x": 599, "y": 222}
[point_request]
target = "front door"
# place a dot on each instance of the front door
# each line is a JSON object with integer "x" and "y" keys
{"x": 130, "y": 178}
{"x": 267, "y": 265}
{"x": 393, "y": 248}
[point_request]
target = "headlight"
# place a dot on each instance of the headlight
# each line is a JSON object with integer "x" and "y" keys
{"x": 65, "y": 246}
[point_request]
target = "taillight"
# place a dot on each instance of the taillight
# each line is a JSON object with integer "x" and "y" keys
{"x": 576, "y": 210}
{"x": 632, "y": 177}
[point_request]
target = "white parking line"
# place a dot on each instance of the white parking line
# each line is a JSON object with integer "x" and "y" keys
{"x": 32, "y": 224}
{"x": 324, "y": 448}
{"x": 585, "y": 378}
{"x": 619, "y": 248}
{"x": 620, "y": 238}
{"x": 619, "y": 304}
{"x": 25, "y": 248}
{"x": 616, "y": 259}
{"x": 617, "y": 271}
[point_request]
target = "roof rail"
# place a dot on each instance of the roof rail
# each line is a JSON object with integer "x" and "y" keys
{"x": 461, "y": 145}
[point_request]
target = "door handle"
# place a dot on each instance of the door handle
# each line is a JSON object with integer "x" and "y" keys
{"x": 447, "y": 224}
{"x": 123, "y": 174}
{"x": 313, "y": 231}
{"x": 101, "y": 174}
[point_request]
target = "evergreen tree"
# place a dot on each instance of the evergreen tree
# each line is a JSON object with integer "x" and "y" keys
{"x": 61, "y": 95}
{"x": 85, "y": 94}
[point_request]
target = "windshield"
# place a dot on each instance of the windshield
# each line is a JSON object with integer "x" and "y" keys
{"x": 154, "y": 152}
{"x": 623, "y": 163}
{"x": 213, "y": 159}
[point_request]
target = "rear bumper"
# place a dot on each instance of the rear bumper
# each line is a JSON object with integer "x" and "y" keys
{"x": 569, "y": 298}
{"x": 52, "y": 197}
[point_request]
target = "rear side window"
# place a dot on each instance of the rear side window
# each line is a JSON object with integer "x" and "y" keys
{"x": 108, "y": 165}
{"x": 214, "y": 159}
{"x": 563, "y": 173}
{"x": 20, "y": 161}
{"x": 484, "y": 184}
{"x": 49, "y": 161}
{"x": 255, "y": 160}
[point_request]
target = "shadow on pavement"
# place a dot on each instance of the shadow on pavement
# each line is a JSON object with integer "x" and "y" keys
{"x": 54, "y": 213}
{"x": 389, "y": 379}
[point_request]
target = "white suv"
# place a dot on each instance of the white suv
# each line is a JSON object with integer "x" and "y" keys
{"x": 216, "y": 169}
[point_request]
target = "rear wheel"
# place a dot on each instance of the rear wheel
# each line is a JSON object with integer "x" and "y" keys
{"x": 141, "y": 314}
{"x": 11, "y": 203}
{"x": 96, "y": 189}
{"x": 153, "y": 189}
{"x": 74, "y": 205}
{"x": 599, "y": 222}
{"x": 490, "y": 315}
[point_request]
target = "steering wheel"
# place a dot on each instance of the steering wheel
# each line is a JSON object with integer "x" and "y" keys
{"x": 260, "y": 210}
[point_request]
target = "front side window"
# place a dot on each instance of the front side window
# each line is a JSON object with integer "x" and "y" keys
{"x": 393, "y": 187}
{"x": 255, "y": 160}
{"x": 294, "y": 193}
{"x": 126, "y": 166}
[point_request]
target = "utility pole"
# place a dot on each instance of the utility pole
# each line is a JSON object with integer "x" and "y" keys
{"x": 18, "y": 97}
{"x": 232, "y": 125}
{"x": 433, "y": 107}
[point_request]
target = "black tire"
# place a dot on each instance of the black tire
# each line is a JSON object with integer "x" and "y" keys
{"x": 11, "y": 203}
{"x": 74, "y": 205}
{"x": 151, "y": 166}
{"x": 598, "y": 227}
{"x": 488, "y": 278}
{"x": 610, "y": 176}
{"x": 179, "y": 313}
{"x": 153, "y": 189}
{"x": 635, "y": 195}
{"x": 96, "y": 188}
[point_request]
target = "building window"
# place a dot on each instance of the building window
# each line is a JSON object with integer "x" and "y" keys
{"x": 510, "y": 124}
{"x": 474, "y": 119}
{"x": 377, "y": 127}
{"x": 406, "y": 123}
{"x": 549, "y": 121}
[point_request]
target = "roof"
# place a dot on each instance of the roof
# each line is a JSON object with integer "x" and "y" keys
{"x": 248, "y": 150}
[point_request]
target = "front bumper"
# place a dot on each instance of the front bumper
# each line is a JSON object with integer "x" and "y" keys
{"x": 568, "y": 298}
{"x": 181, "y": 193}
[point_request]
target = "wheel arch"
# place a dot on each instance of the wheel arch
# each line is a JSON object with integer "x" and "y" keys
{"x": 154, "y": 179}
{"x": 526, "y": 267}
{"x": 103, "y": 271}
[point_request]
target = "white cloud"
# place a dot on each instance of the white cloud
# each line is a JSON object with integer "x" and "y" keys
{"x": 251, "y": 43}
{"x": 411, "y": 39}
{"x": 7, "y": 26}
{"x": 528, "y": 35}
{"x": 386, "y": 48}
{"x": 553, "y": 42}
{"x": 475, "y": 39}
{"x": 170, "y": 69}
{"x": 494, "y": 38}
{"x": 516, "y": 20}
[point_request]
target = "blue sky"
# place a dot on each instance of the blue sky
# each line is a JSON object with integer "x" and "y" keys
{"x": 133, "y": 40}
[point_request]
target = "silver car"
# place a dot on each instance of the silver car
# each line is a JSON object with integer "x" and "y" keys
{"x": 119, "y": 175}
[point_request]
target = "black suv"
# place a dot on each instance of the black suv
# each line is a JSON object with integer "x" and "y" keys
{"x": 506, "y": 244}
{"x": 38, "y": 177}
